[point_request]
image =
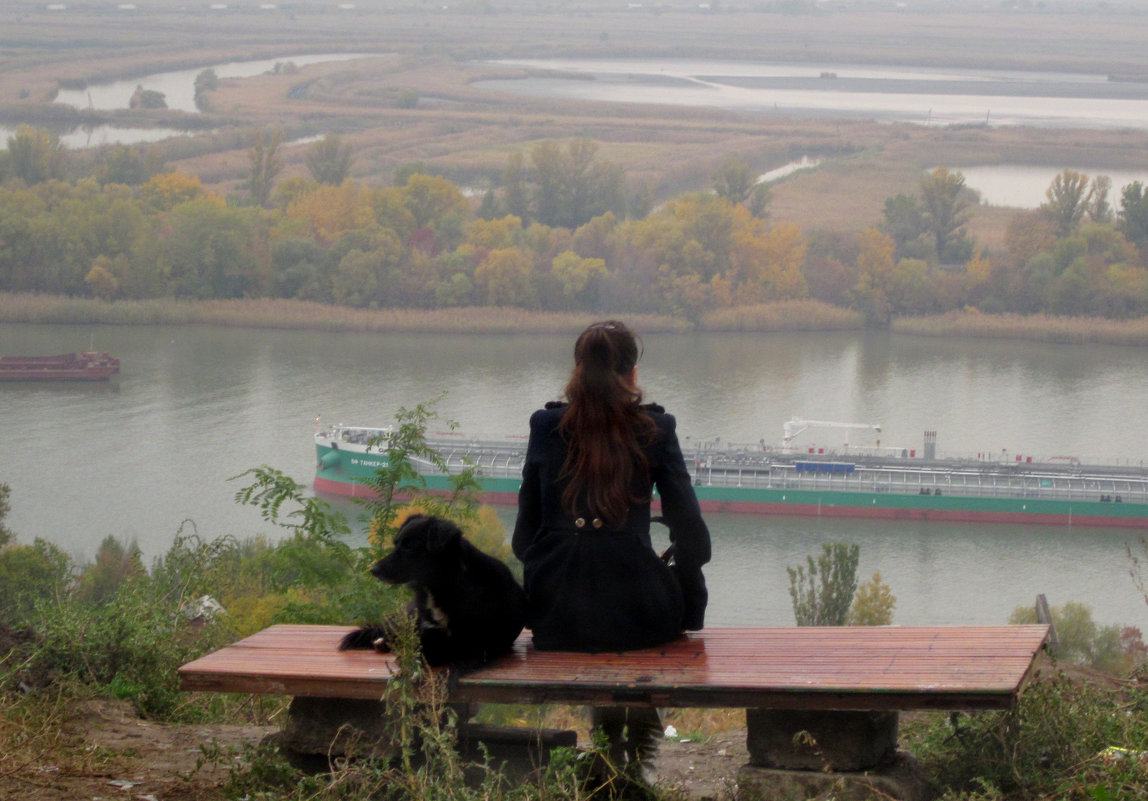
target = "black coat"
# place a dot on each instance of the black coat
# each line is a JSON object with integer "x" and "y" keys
{"x": 600, "y": 588}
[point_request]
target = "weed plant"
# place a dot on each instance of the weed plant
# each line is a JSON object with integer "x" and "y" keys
{"x": 1066, "y": 739}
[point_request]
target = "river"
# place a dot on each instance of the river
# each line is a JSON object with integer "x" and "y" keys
{"x": 195, "y": 406}
{"x": 920, "y": 95}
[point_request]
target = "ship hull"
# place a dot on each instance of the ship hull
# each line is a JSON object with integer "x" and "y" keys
{"x": 345, "y": 474}
{"x": 88, "y": 366}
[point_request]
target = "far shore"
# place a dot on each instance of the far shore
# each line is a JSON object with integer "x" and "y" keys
{"x": 787, "y": 316}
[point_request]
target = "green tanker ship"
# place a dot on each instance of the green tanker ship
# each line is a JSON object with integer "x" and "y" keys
{"x": 759, "y": 481}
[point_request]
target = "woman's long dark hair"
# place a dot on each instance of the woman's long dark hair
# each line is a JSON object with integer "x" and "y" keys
{"x": 604, "y": 428}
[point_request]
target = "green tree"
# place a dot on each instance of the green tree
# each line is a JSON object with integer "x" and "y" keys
{"x": 905, "y": 221}
{"x": 1079, "y": 638}
{"x": 206, "y": 81}
{"x": 571, "y": 187}
{"x": 6, "y": 535}
{"x": 354, "y": 281}
{"x": 822, "y": 591}
{"x": 130, "y": 166}
{"x": 329, "y": 160}
{"x": 265, "y": 165}
{"x": 31, "y": 575}
{"x": 946, "y": 212}
{"x": 1133, "y": 221}
{"x": 734, "y": 180}
{"x": 208, "y": 251}
{"x": 35, "y": 155}
{"x": 115, "y": 564}
{"x": 1067, "y": 200}
{"x": 147, "y": 99}
{"x": 516, "y": 195}
{"x": 1100, "y": 209}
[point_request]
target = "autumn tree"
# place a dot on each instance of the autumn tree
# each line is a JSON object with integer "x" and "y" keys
{"x": 438, "y": 206}
{"x": 874, "y": 276}
{"x": 167, "y": 190}
{"x": 579, "y": 278}
{"x": 872, "y": 605}
{"x": 100, "y": 279}
{"x": 504, "y": 278}
{"x": 329, "y": 211}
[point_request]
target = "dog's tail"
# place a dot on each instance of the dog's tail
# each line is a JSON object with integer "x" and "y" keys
{"x": 365, "y": 638}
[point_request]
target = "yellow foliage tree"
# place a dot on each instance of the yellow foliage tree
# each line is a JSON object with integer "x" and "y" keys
{"x": 332, "y": 210}
{"x": 167, "y": 190}
{"x": 872, "y": 604}
{"x": 483, "y": 528}
{"x": 101, "y": 280}
{"x": 487, "y": 235}
{"x": 505, "y": 278}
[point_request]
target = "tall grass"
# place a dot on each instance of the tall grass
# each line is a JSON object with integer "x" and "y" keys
{"x": 787, "y": 315}
{"x": 1035, "y": 327}
{"x": 294, "y": 314}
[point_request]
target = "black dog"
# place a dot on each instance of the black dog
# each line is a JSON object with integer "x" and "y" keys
{"x": 468, "y": 607}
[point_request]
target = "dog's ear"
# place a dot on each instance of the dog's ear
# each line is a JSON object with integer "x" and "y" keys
{"x": 442, "y": 534}
{"x": 412, "y": 522}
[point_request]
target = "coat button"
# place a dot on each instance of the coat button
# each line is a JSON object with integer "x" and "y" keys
{"x": 580, "y": 523}
{"x": 596, "y": 523}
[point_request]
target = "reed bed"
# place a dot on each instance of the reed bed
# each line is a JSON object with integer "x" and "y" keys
{"x": 301, "y": 315}
{"x": 1035, "y": 327}
{"x": 786, "y": 315}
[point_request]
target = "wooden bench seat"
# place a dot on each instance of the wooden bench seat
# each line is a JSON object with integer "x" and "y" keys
{"x": 859, "y": 668}
{"x": 837, "y": 687}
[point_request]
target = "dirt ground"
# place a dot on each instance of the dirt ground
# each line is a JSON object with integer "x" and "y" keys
{"x": 146, "y": 761}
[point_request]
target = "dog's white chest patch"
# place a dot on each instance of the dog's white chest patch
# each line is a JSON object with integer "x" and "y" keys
{"x": 436, "y": 618}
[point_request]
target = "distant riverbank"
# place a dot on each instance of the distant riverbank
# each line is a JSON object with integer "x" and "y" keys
{"x": 805, "y": 315}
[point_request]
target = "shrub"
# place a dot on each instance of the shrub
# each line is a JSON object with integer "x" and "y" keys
{"x": 1066, "y": 739}
{"x": 1082, "y": 641}
{"x": 823, "y": 592}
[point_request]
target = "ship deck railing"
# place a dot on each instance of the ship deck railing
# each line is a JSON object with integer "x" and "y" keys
{"x": 976, "y": 485}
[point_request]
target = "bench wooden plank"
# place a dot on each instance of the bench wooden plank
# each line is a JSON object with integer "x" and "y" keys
{"x": 940, "y": 667}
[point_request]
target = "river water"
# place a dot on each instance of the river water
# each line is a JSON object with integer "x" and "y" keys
{"x": 885, "y": 93}
{"x": 195, "y": 406}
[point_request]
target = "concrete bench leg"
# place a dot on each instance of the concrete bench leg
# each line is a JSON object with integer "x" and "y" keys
{"x": 799, "y": 754}
{"x": 318, "y": 729}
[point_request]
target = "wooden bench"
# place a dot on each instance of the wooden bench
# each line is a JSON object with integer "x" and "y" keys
{"x": 842, "y": 685}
